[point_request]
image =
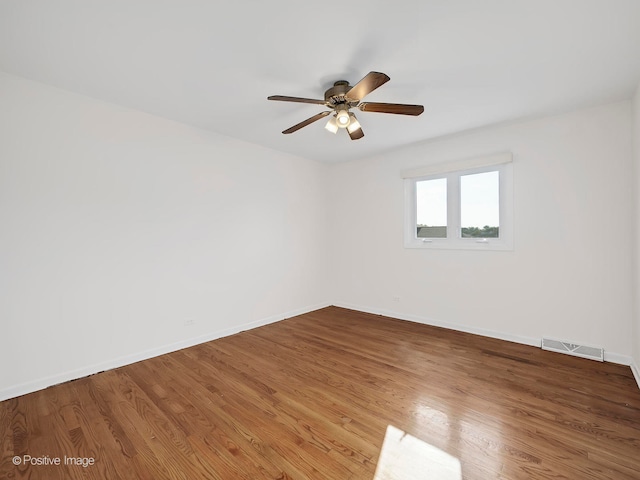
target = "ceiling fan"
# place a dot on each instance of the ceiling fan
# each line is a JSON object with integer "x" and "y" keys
{"x": 342, "y": 97}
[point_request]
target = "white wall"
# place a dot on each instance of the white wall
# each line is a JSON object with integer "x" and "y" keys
{"x": 569, "y": 276}
{"x": 117, "y": 227}
{"x": 636, "y": 160}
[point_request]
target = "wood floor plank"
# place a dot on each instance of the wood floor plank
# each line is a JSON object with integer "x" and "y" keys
{"x": 311, "y": 397}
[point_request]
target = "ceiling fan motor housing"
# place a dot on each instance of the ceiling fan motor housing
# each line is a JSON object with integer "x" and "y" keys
{"x": 336, "y": 94}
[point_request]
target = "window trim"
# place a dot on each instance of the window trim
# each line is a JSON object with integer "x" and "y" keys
{"x": 501, "y": 163}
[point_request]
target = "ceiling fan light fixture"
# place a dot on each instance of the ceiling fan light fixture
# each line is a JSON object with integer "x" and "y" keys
{"x": 332, "y": 125}
{"x": 343, "y": 118}
{"x": 354, "y": 124}
{"x": 342, "y": 97}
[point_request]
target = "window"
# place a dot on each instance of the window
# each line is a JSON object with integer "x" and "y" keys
{"x": 480, "y": 205}
{"x": 431, "y": 208}
{"x": 465, "y": 204}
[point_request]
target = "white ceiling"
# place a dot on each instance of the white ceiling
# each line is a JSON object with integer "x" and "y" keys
{"x": 212, "y": 64}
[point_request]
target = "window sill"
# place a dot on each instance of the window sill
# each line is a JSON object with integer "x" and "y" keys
{"x": 472, "y": 244}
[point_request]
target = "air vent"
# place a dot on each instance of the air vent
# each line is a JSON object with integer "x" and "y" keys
{"x": 577, "y": 350}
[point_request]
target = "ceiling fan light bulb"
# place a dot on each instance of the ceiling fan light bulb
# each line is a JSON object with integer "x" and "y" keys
{"x": 342, "y": 119}
{"x": 331, "y": 125}
{"x": 354, "y": 124}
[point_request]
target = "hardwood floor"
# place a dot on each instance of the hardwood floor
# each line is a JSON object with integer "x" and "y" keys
{"x": 311, "y": 397}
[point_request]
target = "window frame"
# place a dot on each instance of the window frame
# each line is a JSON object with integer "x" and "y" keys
{"x": 454, "y": 239}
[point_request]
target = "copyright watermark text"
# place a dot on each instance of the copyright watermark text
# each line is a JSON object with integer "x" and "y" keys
{"x": 46, "y": 460}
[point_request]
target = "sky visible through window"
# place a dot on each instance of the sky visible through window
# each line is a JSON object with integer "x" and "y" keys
{"x": 431, "y": 202}
{"x": 479, "y": 200}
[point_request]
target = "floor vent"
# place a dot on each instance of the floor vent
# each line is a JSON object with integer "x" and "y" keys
{"x": 584, "y": 351}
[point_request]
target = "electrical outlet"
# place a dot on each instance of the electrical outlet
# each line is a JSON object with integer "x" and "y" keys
{"x": 396, "y": 298}
{"x": 189, "y": 322}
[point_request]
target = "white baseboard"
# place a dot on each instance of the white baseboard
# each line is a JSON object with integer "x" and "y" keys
{"x": 41, "y": 383}
{"x": 534, "y": 342}
{"x": 612, "y": 357}
{"x": 636, "y": 372}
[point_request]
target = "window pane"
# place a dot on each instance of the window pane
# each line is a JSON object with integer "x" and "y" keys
{"x": 480, "y": 205}
{"x": 431, "y": 208}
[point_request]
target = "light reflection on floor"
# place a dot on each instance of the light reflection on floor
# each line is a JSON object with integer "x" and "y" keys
{"x": 463, "y": 431}
{"x": 405, "y": 457}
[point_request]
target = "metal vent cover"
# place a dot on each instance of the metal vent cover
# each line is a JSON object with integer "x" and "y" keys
{"x": 575, "y": 349}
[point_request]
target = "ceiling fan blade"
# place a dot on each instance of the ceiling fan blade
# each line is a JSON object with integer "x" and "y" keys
{"x": 308, "y": 121}
{"x": 283, "y": 98}
{"x": 368, "y": 84}
{"x": 397, "y": 108}
{"x": 356, "y": 134}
